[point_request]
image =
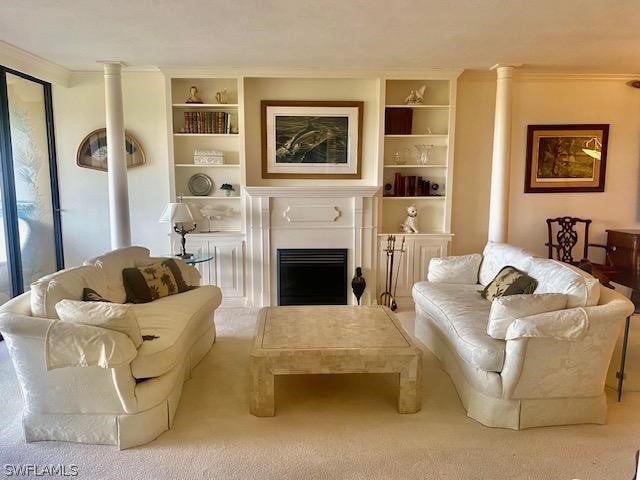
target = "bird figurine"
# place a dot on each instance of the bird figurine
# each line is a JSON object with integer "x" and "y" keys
{"x": 358, "y": 284}
{"x": 416, "y": 97}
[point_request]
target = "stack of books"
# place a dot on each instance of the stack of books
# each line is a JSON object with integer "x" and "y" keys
{"x": 207, "y": 122}
{"x": 410, "y": 186}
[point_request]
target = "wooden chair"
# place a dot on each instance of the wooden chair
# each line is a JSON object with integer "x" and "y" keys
{"x": 566, "y": 238}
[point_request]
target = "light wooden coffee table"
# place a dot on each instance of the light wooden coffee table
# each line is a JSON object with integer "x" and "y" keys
{"x": 332, "y": 339}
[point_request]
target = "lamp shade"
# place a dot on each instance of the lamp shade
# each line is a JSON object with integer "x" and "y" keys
{"x": 176, "y": 213}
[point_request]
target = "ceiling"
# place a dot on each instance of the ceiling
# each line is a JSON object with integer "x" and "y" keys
{"x": 582, "y": 35}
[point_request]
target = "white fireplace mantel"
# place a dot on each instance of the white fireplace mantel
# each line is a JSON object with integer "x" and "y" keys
{"x": 313, "y": 191}
{"x": 309, "y": 216}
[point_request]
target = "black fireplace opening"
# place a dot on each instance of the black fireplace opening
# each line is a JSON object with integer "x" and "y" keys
{"x": 312, "y": 276}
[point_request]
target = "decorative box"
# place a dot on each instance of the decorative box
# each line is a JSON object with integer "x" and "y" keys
{"x": 208, "y": 157}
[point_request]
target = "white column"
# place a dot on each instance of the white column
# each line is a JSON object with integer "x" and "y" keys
{"x": 501, "y": 161}
{"x": 117, "y": 175}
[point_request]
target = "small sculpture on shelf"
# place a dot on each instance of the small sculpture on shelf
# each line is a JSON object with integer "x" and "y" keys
{"x": 193, "y": 95}
{"x": 410, "y": 224}
{"x": 416, "y": 97}
{"x": 222, "y": 96}
{"x": 213, "y": 213}
{"x": 358, "y": 284}
{"x": 227, "y": 188}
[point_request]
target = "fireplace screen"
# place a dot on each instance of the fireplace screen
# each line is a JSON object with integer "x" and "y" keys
{"x": 312, "y": 276}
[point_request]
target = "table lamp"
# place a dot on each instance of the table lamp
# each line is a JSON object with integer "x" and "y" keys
{"x": 178, "y": 214}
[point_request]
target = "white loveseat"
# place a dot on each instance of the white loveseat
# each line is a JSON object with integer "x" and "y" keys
{"x": 130, "y": 403}
{"x": 547, "y": 371}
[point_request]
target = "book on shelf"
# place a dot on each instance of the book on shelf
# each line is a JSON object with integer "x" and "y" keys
{"x": 207, "y": 122}
{"x": 410, "y": 186}
{"x": 398, "y": 121}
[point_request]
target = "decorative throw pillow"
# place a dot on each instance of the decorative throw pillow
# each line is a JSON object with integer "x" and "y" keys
{"x": 145, "y": 284}
{"x": 505, "y": 310}
{"x": 90, "y": 295}
{"x": 461, "y": 269}
{"x": 112, "y": 316}
{"x": 509, "y": 281}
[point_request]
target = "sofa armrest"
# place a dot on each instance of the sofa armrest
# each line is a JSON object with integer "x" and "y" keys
{"x": 547, "y": 367}
{"x": 69, "y": 344}
{"x": 568, "y": 324}
{"x": 461, "y": 269}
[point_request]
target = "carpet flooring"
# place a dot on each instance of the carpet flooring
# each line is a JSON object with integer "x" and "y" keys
{"x": 330, "y": 427}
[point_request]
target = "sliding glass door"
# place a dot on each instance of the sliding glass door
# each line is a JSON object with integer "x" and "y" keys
{"x": 32, "y": 242}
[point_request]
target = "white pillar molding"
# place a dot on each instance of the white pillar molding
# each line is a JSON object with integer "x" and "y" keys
{"x": 501, "y": 160}
{"x": 119, "y": 223}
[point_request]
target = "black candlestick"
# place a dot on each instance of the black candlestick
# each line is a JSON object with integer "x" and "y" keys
{"x": 182, "y": 232}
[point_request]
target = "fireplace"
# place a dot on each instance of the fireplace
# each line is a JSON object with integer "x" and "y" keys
{"x": 315, "y": 276}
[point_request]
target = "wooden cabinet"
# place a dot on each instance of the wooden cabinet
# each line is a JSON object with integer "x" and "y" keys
{"x": 624, "y": 251}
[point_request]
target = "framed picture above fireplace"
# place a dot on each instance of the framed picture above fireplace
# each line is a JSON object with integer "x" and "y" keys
{"x": 311, "y": 139}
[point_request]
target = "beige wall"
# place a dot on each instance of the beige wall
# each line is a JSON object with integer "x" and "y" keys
{"x": 542, "y": 100}
{"x": 78, "y": 110}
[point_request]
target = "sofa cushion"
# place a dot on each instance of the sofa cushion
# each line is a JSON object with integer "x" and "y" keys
{"x": 112, "y": 264}
{"x": 65, "y": 284}
{"x": 496, "y": 256}
{"x": 111, "y": 316}
{"x": 509, "y": 281}
{"x": 461, "y": 314}
{"x": 504, "y": 310}
{"x": 553, "y": 276}
{"x": 177, "y": 321}
{"x": 153, "y": 281}
{"x": 458, "y": 269}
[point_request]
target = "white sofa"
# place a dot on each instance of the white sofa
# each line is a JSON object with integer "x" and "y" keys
{"x": 126, "y": 405}
{"x": 548, "y": 371}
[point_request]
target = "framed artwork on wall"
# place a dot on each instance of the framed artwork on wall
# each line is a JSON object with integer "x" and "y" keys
{"x": 311, "y": 139}
{"x": 92, "y": 152}
{"x": 566, "y": 158}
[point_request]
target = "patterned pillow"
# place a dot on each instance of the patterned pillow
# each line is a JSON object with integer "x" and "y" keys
{"x": 148, "y": 283}
{"x": 509, "y": 281}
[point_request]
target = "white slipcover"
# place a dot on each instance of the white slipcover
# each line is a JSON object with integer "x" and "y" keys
{"x": 461, "y": 269}
{"x": 48, "y": 291}
{"x": 506, "y": 309}
{"x": 111, "y": 316}
{"x": 103, "y": 402}
{"x": 553, "y": 276}
{"x": 551, "y": 368}
{"x": 498, "y": 255}
{"x": 462, "y": 314}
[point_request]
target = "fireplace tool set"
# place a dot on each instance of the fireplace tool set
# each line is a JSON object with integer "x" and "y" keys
{"x": 388, "y": 298}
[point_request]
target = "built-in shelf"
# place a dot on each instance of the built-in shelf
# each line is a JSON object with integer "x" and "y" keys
{"x": 424, "y": 197}
{"x": 414, "y": 135}
{"x": 417, "y": 106}
{"x": 205, "y": 134}
{"x": 415, "y": 166}
{"x": 206, "y": 105}
{"x": 205, "y": 197}
{"x": 191, "y": 165}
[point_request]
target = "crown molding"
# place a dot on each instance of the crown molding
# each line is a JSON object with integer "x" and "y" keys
{"x": 541, "y": 75}
{"x": 25, "y": 62}
{"x": 303, "y": 72}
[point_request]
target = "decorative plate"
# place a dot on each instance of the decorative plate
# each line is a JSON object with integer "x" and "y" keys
{"x": 200, "y": 184}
